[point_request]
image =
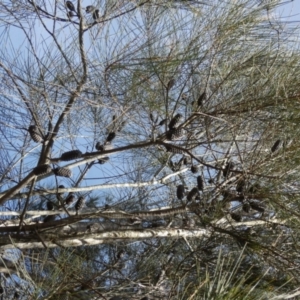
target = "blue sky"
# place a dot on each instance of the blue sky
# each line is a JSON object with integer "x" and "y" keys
{"x": 290, "y": 11}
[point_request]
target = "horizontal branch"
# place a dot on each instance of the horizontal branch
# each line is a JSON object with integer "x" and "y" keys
{"x": 102, "y": 238}
{"x": 98, "y": 186}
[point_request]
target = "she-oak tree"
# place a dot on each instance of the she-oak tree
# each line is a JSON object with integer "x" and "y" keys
{"x": 148, "y": 149}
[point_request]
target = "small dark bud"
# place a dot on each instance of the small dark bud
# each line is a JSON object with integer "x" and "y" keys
{"x": 174, "y": 121}
{"x": 50, "y": 218}
{"x": 200, "y": 183}
{"x": 110, "y": 136}
{"x": 42, "y": 170}
{"x": 80, "y": 203}
{"x": 201, "y": 98}
{"x": 193, "y": 194}
{"x": 63, "y": 172}
{"x": 194, "y": 169}
{"x": 70, "y": 199}
{"x": 120, "y": 254}
{"x": 70, "y": 155}
{"x": 236, "y": 217}
{"x": 276, "y": 146}
{"x": 180, "y": 192}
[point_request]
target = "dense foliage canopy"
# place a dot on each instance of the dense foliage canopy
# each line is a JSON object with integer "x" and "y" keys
{"x": 149, "y": 149}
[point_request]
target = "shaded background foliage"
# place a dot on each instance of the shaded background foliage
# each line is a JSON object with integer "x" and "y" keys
{"x": 230, "y": 70}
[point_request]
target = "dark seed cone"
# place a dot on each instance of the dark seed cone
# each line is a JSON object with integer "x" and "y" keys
{"x": 180, "y": 192}
{"x": 96, "y": 14}
{"x": 151, "y": 117}
{"x": 171, "y": 149}
{"x": 42, "y": 170}
{"x": 192, "y": 195}
{"x": 175, "y": 121}
{"x": 276, "y": 146}
{"x": 170, "y": 84}
{"x": 200, "y": 183}
{"x": 70, "y": 6}
{"x": 50, "y": 218}
{"x": 34, "y": 134}
{"x": 49, "y": 205}
{"x": 194, "y": 169}
{"x": 162, "y": 122}
{"x": 63, "y": 172}
{"x": 70, "y": 14}
{"x": 185, "y": 161}
{"x": 256, "y": 206}
{"x": 174, "y": 134}
{"x": 110, "y": 136}
{"x": 240, "y": 186}
{"x": 79, "y": 204}
{"x": 246, "y": 207}
{"x": 236, "y": 217}
{"x": 201, "y": 98}
{"x": 89, "y": 9}
{"x": 70, "y": 199}
{"x": 229, "y": 166}
{"x": 107, "y": 146}
{"x": 103, "y": 160}
{"x": 99, "y": 146}
{"x": 70, "y": 155}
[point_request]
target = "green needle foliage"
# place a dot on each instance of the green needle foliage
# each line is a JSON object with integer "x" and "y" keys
{"x": 121, "y": 105}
